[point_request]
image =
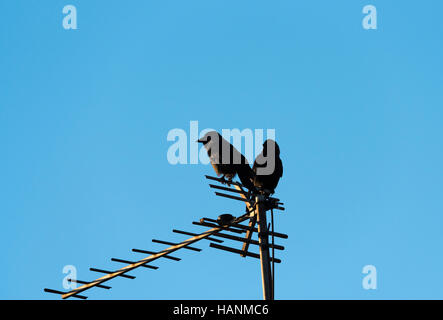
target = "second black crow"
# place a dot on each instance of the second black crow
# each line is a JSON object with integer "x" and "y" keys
{"x": 268, "y": 167}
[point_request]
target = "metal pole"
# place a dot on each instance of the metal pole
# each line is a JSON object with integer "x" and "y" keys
{"x": 273, "y": 256}
{"x": 264, "y": 248}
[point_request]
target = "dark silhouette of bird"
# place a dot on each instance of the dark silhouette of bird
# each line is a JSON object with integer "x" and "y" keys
{"x": 226, "y": 160}
{"x": 268, "y": 167}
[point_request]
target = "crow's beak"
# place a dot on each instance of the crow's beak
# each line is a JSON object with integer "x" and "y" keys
{"x": 200, "y": 141}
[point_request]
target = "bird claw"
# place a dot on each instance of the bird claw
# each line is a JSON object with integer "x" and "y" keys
{"x": 265, "y": 192}
{"x": 225, "y": 181}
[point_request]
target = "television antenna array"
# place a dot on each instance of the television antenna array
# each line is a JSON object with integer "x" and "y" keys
{"x": 226, "y": 227}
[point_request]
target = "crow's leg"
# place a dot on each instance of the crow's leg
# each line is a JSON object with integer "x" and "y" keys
{"x": 228, "y": 180}
{"x": 223, "y": 180}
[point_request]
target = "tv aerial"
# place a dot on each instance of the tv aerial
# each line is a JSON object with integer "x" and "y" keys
{"x": 227, "y": 227}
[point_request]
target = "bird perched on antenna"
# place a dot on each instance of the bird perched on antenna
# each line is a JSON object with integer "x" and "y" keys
{"x": 268, "y": 167}
{"x": 226, "y": 160}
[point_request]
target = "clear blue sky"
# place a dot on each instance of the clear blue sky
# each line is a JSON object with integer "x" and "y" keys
{"x": 84, "y": 116}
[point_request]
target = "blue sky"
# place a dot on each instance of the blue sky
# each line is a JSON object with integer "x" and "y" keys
{"x": 84, "y": 116}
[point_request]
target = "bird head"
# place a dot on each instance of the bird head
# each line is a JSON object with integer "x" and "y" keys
{"x": 271, "y": 145}
{"x": 211, "y": 135}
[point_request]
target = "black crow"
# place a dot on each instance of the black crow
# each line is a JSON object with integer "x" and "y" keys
{"x": 268, "y": 167}
{"x": 226, "y": 160}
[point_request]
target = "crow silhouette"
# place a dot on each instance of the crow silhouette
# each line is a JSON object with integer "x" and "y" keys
{"x": 226, "y": 160}
{"x": 268, "y": 167}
